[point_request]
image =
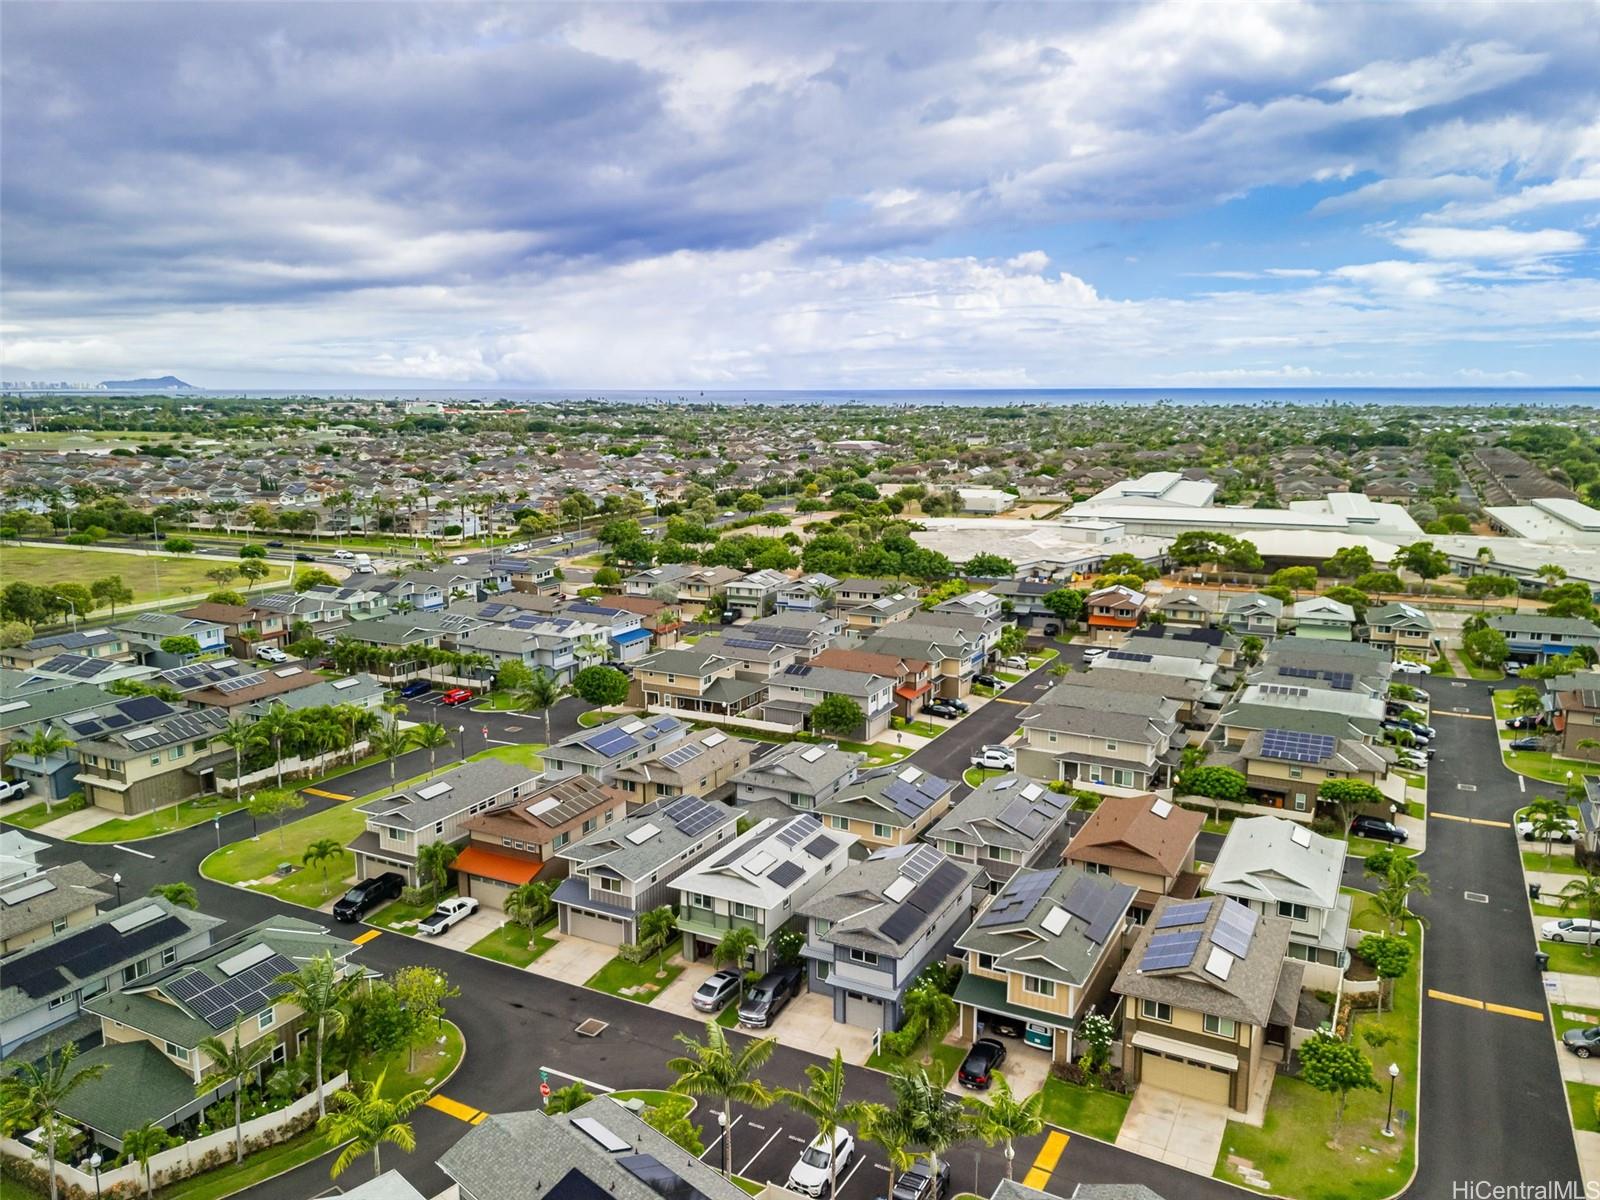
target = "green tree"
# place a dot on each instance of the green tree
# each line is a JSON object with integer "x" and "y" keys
{"x": 1551, "y": 573}
{"x": 44, "y": 742}
{"x": 935, "y": 1124}
{"x": 513, "y": 675}
{"x": 1393, "y": 899}
{"x": 233, "y": 1064}
{"x": 837, "y": 715}
{"x": 1486, "y": 647}
{"x": 1549, "y": 818}
{"x": 749, "y": 502}
{"x": 178, "y": 545}
{"x": 310, "y": 577}
{"x": 656, "y": 927}
{"x": 253, "y": 571}
{"x": 1345, "y": 796}
{"x": 1348, "y": 563}
{"x": 1423, "y": 561}
{"x": 1012, "y": 641}
{"x": 1583, "y": 892}
{"x": 1527, "y": 701}
{"x": 736, "y": 947}
{"x": 429, "y": 736}
{"x": 1378, "y": 581}
{"x": 180, "y": 894}
{"x": 31, "y": 1095}
{"x": 1002, "y": 1118}
{"x": 180, "y": 644}
{"x": 1337, "y": 1068}
{"x": 716, "y": 1070}
{"x": 319, "y": 992}
{"x": 111, "y": 590}
{"x": 276, "y": 805}
{"x": 391, "y": 742}
{"x": 433, "y": 865}
{"x": 321, "y": 852}
{"x": 529, "y": 904}
{"x": 1390, "y": 957}
{"x": 1480, "y": 587}
{"x": 601, "y": 686}
{"x": 144, "y": 1143}
{"x": 422, "y": 992}
{"x": 989, "y": 566}
{"x": 670, "y": 1117}
{"x": 1214, "y": 783}
{"x": 242, "y": 738}
{"x": 890, "y": 1130}
{"x": 366, "y": 1121}
{"x": 541, "y": 692}
{"x": 1065, "y": 604}
{"x": 823, "y": 1103}
{"x": 1296, "y": 579}
{"x": 278, "y": 725}
{"x": 1250, "y": 649}
{"x": 930, "y": 1008}
{"x": 564, "y": 1100}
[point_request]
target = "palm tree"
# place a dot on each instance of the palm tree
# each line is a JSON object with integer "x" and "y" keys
{"x": 1549, "y": 818}
{"x": 320, "y": 851}
{"x": 529, "y": 904}
{"x": 1393, "y": 898}
{"x": 321, "y": 994}
{"x": 564, "y": 1100}
{"x": 1585, "y": 891}
{"x": 31, "y": 1095}
{"x": 657, "y": 925}
{"x": 430, "y": 736}
{"x": 714, "y": 1068}
{"x": 934, "y": 1009}
{"x": 890, "y": 1130}
{"x": 231, "y": 1064}
{"x": 181, "y": 894}
{"x": 144, "y": 1143}
{"x": 934, "y": 1124}
{"x": 433, "y": 865}
{"x": 278, "y": 725}
{"x": 542, "y": 691}
{"x": 45, "y": 741}
{"x": 391, "y": 743}
{"x": 366, "y": 1120}
{"x": 736, "y": 947}
{"x": 823, "y": 1101}
{"x": 1003, "y": 1118}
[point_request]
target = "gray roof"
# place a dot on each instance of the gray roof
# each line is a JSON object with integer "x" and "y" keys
{"x": 1344, "y": 755}
{"x": 1512, "y": 624}
{"x": 1298, "y": 720}
{"x": 1116, "y": 726}
{"x": 611, "y": 847}
{"x": 688, "y": 661}
{"x": 327, "y": 692}
{"x": 28, "y": 904}
{"x": 1098, "y": 692}
{"x": 1251, "y": 986}
{"x": 1012, "y": 925}
{"x": 139, "y": 1084}
{"x": 391, "y": 1185}
{"x": 831, "y": 680}
{"x": 646, "y": 732}
{"x": 1008, "y": 1189}
{"x": 1268, "y": 605}
{"x": 896, "y": 795}
{"x": 1011, "y": 811}
{"x": 865, "y": 915}
{"x": 1399, "y": 614}
{"x": 527, "y": 1155}
{"x": 28, "y": 707}
{"x": 1268, "y": 859}
{"x": 139, "y": 724}
{"x": 814, "y": 766}
{"x": 450, "y": 792}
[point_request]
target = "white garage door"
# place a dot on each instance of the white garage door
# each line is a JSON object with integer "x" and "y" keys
{"x": 1186, "y": 1078}
{"x": 864, "y": 1012}
{"x": 608, "y": 931}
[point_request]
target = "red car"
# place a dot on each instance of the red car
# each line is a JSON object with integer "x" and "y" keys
{"x": 456, "y": 696}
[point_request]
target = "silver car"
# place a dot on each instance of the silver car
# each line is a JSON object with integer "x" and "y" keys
{"x": 713, "y": 995}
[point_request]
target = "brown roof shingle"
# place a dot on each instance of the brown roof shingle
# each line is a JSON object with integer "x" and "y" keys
{"x": 1126, "y": 832}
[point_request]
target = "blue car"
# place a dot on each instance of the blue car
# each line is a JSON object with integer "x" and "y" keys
{"x": 417, "y": 687}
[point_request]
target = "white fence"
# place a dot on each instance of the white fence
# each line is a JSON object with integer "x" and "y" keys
{"x": 294, "y": 764}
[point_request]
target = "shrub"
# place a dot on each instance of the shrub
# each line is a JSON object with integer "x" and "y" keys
{"x": 414, "y": 895}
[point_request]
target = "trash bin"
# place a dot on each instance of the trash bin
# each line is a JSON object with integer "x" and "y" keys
{"x": 1541, "y": 960}
{"x": 1533, "y": 891}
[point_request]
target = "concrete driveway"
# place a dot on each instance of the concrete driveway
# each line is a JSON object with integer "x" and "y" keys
{"x": 675, "y": 998}
{"x": 572, "y": 960}
{"x": 474, "y": 929}
{"x": 808, "y": 1024}
{"x": 1175, "y": 1129}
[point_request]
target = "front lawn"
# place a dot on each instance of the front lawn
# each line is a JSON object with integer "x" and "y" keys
{"x": 401, "y": 917}
{"x": 976, "y": 775}
{"x": 1545, "y": 766}
{"x": 1093, "y": 1111}
{"x": 514, "y": 944}
{"x": 37, "y": 814}
{"x": 1571, "y": 1016}
{"x": 1533, "y": 860}
{"x": 633, "y": 981}
{"x": 1291, "y": 1148}
{"x": 920, "y": 728}
{"x": 1569, "y": 958}
{"x": 162, "y": 820}
{"x": 1581, "y": 1098}
{"x": 940, "y": 1062}
{"x": 313, "y": 887}
{"x": 433, "y": 1065}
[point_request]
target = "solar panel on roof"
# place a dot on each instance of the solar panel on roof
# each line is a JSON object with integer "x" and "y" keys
{"x": 28, "y": 890}
{"x": 798, "y": 828}
{"x": 901, "y": 923}
{"x": 186, "y": 987}
{"x": 683, "y": 754}
{"x": 1290, "y": 746}
{"x": 821, "y": 847}
{"x": 1168, "y": 950}
{"x": 785, "y": 873}
{"x": 1235, "y": 926}
{"x": 1190, "y": 913}
{"x": 920, "y": 862}
{"x": 936, "y": 888}
{"x": 142, "y": 708}
{"x": 1100, "y": 908}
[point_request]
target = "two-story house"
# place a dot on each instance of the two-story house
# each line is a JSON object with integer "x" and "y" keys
{"x": 705, "y": 584}
{"x": 1142, "y": 841}
{"x": 801, "y": 688}
{"x": 1127, "y": 743}
{"x": 888, "y": 806}
{"x": 146, "y": 631}
{"x": 142, "y": 753}
{"x": 756, "y": 594}
{"x": 1299, "y": 708}
{"x": 1286, "y": 768}
{"x": 628, "y": 867}
{"x": 153, "y": 1029}
{"x": 758, "y": 883}
{"x": 1404, "y": 630}
{"x": 1280, "y": 868}
{"x": 88, "y": 643}
{"x": 872, "y": 928}
{"x": 1320, "y": 617}
{"x": 1574, "y": 703}
{"x": 691, "y": 680}
{"x": 247, "y": 629}
{"x": 857, "y": 591}
{"x": 48, "y": 902}
{"x": 913, "y": 677}
{"x": 80, "y": 668}
{"x": 626, "y": 637}
{"x": 1004, "y": 824}
{"x": 1253, "y": 615}
{"x": 754, "y": 657}
{"x": 508, "y": 847}
{"x": 800, "y": 775}
{"x": 600, "y": 751}
{"x": 874, "y": 615}
{"x": 809, "y": 593}
{"x": 702, "y": 764}
{"x": 955, "y": 656}
{"x": 1182, "y": 609}
{"x": 1536, "y": 639}
{"x": 985, "y": 605}
{"x": 227, "y": 684}
{"x": 1042, "y": 954}
{"x": 1209, "y": 999}
{"x": 1113, "y": 612}
{"x": 811, "y": 632}
{"x": 661, "y": 582}
{"x": 400, "y": 824}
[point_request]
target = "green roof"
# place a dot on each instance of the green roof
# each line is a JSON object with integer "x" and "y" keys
{"x": 145, "y": 1013}
{"x": 989, "y": 995}
{"x": 139, "y": 1084}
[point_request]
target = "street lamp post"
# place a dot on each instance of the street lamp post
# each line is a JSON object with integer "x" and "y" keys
{"x": 1388, "y": 1121}
{"x": 117, "y": 880}
{"x": 255, "y": 829}
{"x": 94, "y": 1164}
{"x": 461, "y": 732}
{"x": 216, "y": 823}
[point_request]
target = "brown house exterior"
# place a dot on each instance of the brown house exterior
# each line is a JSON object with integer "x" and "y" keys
{"x": 913, "y": 677}
{"x": 246, "y": 628}
{"x": 1143, "y": 841}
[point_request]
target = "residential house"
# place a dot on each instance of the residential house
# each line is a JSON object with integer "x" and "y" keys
{"x": 601, "y": 751}
{"x": 758, "y": 883}
{"x": 1125, "y": 744}
{"x": 660, "y": 582}
{"x": 146, "y": 631}
{"x": 19, "y": 857}
{"x": 1210, "y": 999}
{"x": 1327, "y": 666}
{"x": 1197, "y": 702}
{"x": 1185, "y": 609}
{"x": 360, "y": 690}
{"x": 400, "y": 824}
{"x": 809, "y": 593}
{"x": 888, "y": 806}
{"x": 799, "y": 689}
{"x": 1113, "y": 611}
{"x": 247, "y": 629}
{"x": 812, "y": 632}
{"x": 1320, "y": 617}
{"x": 143, "y": 753}
{"x": 885, "y": 611}
{"x": 985, "y": 605}
{"x": 1286, "y": 768}
{"x": 955, "y": 656}
{"x": 800, "y": 775}
{"x": 1535, "y": 639}
{"x": 660, "y": 618}
{"x": 49, "y": 902}
{"x": 1299, "y": 708}
{"x": 626, "y": 637}
{"x": 153, "y": 1028}
{"x": 1004, "y": 824}
{"x": 850, "y": 592}
{"x": 45, "y": 985}
{"x": 692, "y": 680}
{"x": 101, "y": 642}
{"x": 1026, "y": 597}
{"x": 628, "y": 867}
{"x": 984, "y": 632}
{"x": 535, "y": 575}
{"x": 1574, "y": 703}
{"x": 227, "y": 684}
{"x": 913, "y": 677}
{"x": 703, "y": 585}
{"x": 508, "y": 847}
{"x": 29, "y": 703}
{"x": 1041, "y": 954}
{"x": 1143, "y": 841}
{"x": 1405, "y": 631}
{"x": 702, "y": 764}
{"x": 875, "y": 925}
{"x": 756, "y": 595}
{"x": 755, "y": 658}
{"x": 1282, "y": 869}
{"x": 79, "y": 668}
{"x": 1253, "y": 615}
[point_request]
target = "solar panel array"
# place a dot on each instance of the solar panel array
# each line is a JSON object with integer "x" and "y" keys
{"x": 821, "y": 846}
{"x": 1130, "y": 656}
{"x": 1017, "y": 899}
{"x": 785, "y": 873}
{"x": 1173, "y": 949}
{"x": 198, "y": 675}
{"x": 683, "y": 754}
{"x": 218, "y": 1003}
{"x": 612, "y": 742}
{"x": 912, "y": 799}
{"x": 77, "y": 666}
{"x": 1340, "y": 681}
{"x": 73, "y": 957}
{"x": 1235, "y": 926}
{"x": 128, "y": 713}
{"x": 797, "y": 671}
{"x": 921, "y": 862}
{"x": 692, "y": 815}
{"x": 1288, "y": 746}
{"x": 1191, "y": 913}
{"x": 930, "y": 895}
{"x": 798, "y": 829}
{"x": 242, "y": 682}
{"x": 1281, "y": 689}
{"x": 1097, "y": 906}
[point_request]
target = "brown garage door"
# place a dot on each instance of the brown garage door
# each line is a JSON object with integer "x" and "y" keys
{"x": 1186, "y": 1078}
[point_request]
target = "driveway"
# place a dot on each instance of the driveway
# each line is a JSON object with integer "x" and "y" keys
{"x": 808, "y": 1024}
{"x": 1174, "y": 1129}
{"x": 474, "y": 929}
{"x": 572, "y": 960}
{"x": 675, "y": 998}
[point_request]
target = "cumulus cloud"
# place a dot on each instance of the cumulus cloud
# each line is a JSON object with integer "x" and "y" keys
{"x": 1499, "y": 242}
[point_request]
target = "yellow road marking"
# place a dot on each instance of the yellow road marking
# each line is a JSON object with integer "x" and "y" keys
{"x": 1453, "y": 999}
{"x": 480, "y": 1118}
{"x": 327, "y": 795}
{"x": 1463, "y": 716}
{"x": 1444, "y": 816}
{"x": 367, "y": 936}
{"x": 1036, "y": 1180}
{"x": 1492, "y": 824}
{"x": 1527, "y": 1014}
{"x": 1049, "y": 1155}
{"x": 1005, "y": 700}
{"x": 1451, "y": 817}
{"x": 454, "y": 1108}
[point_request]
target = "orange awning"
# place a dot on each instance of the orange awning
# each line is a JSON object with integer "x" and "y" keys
{"x": 908, "y": 693}
{"x": 474, "y": 860}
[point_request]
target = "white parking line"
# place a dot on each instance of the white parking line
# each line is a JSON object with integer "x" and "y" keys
{"x": 745, "y": 1170}
{"x": 588, "y": 1083}
{"x": 1522, "y": 783}
{"x": 131, "y": 850}
{"x": 849, "y": 1175}
{"x": 716, "y": 1142}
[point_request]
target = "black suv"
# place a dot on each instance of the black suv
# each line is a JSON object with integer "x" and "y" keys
{"x": 917, "y": 1183}
{"x": 764, "y": 999}
{"x": 1378, "y": 830}
{"x": 367, "y": 894}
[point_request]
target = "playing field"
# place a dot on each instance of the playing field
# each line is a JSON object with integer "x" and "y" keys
{"x": 180, "y": 574}
{"x": 62, "y": 439}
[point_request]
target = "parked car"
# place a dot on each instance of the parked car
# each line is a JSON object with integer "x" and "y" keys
{"x": 996, "y": 758}
{"x": 272, "y": 654}
{"x": 12, "y": 789}
{"x": 417, "y": 687}
{"x": 460, "y": 560}
{"x": 766, "y": 997}
{"x": 456, "y": 696}
{"x": 343, "y": 555}
{"x": 713, "y": 994}
{"x": 1051, "y": 630}
{"x": 1417, "y": 727}
{"x": 1571, "y": 929}
{"x": 1094, "y": 652}
{"x": 1570, "y": 830}
{"x": 450, "y": 912}
{"x": 941, "y": 708}
{"x": 961, "y": 706}
{"x": 918, "y": 1183}
{"x": 1527, "y": 743}
{"x": 1406, "y": 667}
{"x": 1513, "y": 669}
{"x": 1529, "y": 722}
{"x": 517, "y": 548}
{"x": 977, "y": 1069}
{"x": 1016, "y": 662}
{"x": 1378, "y": 829}
{"x": 625, "y": 668}
{"x": 1395, "y": 725}
{"x": 304, "y": 557}
{"x": 368, "y": 894}
{"x": 827, "y": 1155}
{"x": 990, "y": 681}
{"x": 1583, "y": 1041}
{"x": 728, "y": 617}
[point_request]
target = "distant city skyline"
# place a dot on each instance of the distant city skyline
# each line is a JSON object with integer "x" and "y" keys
{"x": 734, "y": 197}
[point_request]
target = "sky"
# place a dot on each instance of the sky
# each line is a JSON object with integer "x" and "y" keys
{"x": 730, "y": 196}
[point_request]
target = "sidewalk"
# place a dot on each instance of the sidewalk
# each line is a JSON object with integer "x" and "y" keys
{"x": 64, "y": 827}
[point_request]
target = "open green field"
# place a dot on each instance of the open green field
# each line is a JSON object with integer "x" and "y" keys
{"x": 181, "y": 574}
{"x": 59, "y": 439}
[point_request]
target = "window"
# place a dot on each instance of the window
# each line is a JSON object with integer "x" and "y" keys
{"x": 985, "y": 962}
{"x": 1122, "y": 778}
{"x": 1300, "y": 802}
{"x": 1097, "y": 868}
{"x": 91, "y": 990}
{"x": 1295, "y": 912}
{"x": 561, "y": 839}
{"x": 58, "y": 925}
{"x": 839, "y": 822}
{"x": 820, "y": 927}
{"x": 1001, "y": 854}
{"x": 505, "y": 841}
{"x": 744, "y": 911}
{"x": 863, "y": 956}
{"x": 267, "y": 1017}
{"x": 155, "y": 760}
{"x": 1222, "y": 1027}
{"x": 954, "y": 849}
{"x": 1154, "y": 1010}
{"x": 169, "y": 956}
{"x": 1034, "y": 986}
{"x": 1110, "y": 745}
{"x": 881, "y": 831}
{"x": 438, "y": 827}
{"x": 591, "y": 825}
{"x": 608, "y": 884}
{"x": 135, "y": 971}
{"x": 175, "y": 753}
{"x": 399, "y": 835}
{"x": 177, "y": 1052}
{"x": 60, "y": 1002}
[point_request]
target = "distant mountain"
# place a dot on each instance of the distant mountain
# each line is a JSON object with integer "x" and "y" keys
{"x": 167, "y": 383}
